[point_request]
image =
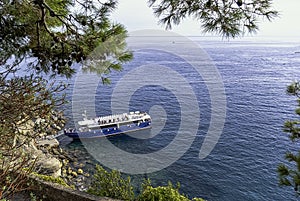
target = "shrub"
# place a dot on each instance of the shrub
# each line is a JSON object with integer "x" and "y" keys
{"x": 111, "y": 184}
{"x": 57, "y": 180}
{"x": 162, "y": 193}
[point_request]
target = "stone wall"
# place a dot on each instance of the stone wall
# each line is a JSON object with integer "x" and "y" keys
{"x": 55, "y": 192}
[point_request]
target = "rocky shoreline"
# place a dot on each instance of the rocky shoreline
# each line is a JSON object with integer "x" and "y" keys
{"x": 57, "y": 162}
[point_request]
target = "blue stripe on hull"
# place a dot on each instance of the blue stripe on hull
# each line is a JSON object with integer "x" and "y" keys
{"x": 109, "y": 131}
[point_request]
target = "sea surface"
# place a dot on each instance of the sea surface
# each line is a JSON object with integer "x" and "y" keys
{"x": 242, "y": 164}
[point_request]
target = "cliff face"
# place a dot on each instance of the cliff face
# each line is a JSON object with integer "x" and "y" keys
{"x": 45, "y": 162}
{"x": 48, "y": 165}
{"x": 41, "y": 148}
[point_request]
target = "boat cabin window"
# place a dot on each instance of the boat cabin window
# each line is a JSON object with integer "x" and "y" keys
{"x": 109, "y": 126}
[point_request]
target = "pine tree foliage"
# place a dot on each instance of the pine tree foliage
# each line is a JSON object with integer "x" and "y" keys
{"x": 289, "y": 174}
{"x": 229, "y": 18}
{"x": 54, "y": 34}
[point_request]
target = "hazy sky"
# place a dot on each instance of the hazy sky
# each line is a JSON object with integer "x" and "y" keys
{"x": 136, "y": 15}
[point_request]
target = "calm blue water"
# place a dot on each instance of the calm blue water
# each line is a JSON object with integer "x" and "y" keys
{"x": 243, "y": 164}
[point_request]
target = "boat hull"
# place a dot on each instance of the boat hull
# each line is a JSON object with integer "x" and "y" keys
{"x": 110, "y": 131}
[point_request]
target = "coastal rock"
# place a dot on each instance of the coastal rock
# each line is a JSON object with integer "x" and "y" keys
{"x": 65, "y": 162}
{"x": 69, "y": 171}
{"x": 49, "y": 166}
{"x": 74, "y": 174}
{"x": 64, "y": 172}
{"x": 50, "y": 143}
{"x": 46, "y": 164}
{"x": 80, "y": 171}
{"x": 56, "y": 152}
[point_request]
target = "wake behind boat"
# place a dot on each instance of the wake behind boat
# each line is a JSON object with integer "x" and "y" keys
{"x": 110, "y": 125}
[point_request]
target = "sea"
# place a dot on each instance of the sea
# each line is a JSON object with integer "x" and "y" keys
{"x": 224, "y": 98}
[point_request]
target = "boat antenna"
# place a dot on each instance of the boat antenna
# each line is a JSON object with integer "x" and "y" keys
{"x": 84, "y": 115}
